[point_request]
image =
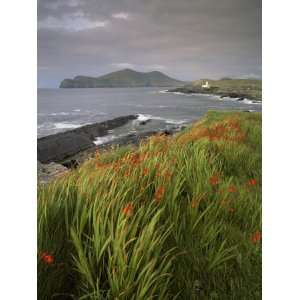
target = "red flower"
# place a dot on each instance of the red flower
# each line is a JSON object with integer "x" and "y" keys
{"x": 194, "y": 203}
{"x": 128, "y": 210}
{"x": 159, "y": 193}
{"x": 47, "y": 258}
{"x": 232, "y": 189}
{"x": 97, "y": 153}
{"x": 251, "y": 182}
{"x": 213, "y": 180}
{"x": 167, "y": 175}
{"x": 256, "y": 237}
{"x": 145, "y": 172}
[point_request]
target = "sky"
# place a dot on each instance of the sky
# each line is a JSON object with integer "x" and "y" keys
{"x": 185, "y": 39}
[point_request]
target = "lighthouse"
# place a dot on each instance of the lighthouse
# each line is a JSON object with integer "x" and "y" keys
{"x": 206, "y": 85}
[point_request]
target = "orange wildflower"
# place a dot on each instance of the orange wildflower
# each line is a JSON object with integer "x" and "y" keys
{"x": 159, "y": 193}
{"x": 223, "y": 202}
{"x": 47, "y": 258}
{"x": 135, "y": 158}
{"x": 213, "y": 180}
{"x": 97, "y": 153}
{"x": 232, "y": 189}
{"x": 167, "y": 175}
{"x": 145, "y": 172}
{"x": 231, "y": 210}
{"x": 128, "y": 210}
{"x": 256, "y": 237}
{"x": 251, "y": 182}
{"x": 194, "y": 203}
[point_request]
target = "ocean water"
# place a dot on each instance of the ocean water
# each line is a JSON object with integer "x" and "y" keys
{"x": 64, "y": 109}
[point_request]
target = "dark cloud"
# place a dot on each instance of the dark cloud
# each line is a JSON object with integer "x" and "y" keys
{"x": 186, "y": 39}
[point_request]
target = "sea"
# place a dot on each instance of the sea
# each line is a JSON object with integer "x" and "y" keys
{"x": 65, "y": 109}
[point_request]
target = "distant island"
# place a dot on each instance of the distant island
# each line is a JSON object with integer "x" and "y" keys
{"x": 122, "y": 78}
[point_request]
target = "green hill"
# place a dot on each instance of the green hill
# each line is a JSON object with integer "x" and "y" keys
{"x": 123, "y": 78}
{"x": 226, "y": 87}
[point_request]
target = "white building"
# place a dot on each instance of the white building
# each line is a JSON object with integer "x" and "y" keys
{"x": 206, "y": 85}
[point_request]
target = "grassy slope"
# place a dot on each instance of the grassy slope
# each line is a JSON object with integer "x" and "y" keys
{"x": 251, "y": 88}
{"x": 176, "y": 216}
{"x": 247, "y": 88}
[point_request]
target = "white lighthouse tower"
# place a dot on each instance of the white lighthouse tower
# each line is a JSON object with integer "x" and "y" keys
{"x": 206, "y": 85}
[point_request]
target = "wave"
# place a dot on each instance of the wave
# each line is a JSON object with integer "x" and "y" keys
{"x": 143, "y": 118}
{"x": 176, "y": 122}
{"x": 104, "y": 139}
{"x": 245, "y": 100}
{"x": 67, "y": 125}
{"x": 60, "y": 114}
{"x": 248, "y": 101}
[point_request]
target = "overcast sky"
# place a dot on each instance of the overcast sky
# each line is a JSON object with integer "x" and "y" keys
{"x": 186, "y": 39}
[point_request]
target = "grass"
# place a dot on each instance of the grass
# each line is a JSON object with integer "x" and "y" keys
{"x": 235, "y": 88}
{"x": 175, "y": 218}
{"x": 249, "y": 88}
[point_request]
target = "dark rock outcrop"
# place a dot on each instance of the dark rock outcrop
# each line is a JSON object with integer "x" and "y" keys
{"x": 48, "y": 172}
{"x": 58, "y": 147}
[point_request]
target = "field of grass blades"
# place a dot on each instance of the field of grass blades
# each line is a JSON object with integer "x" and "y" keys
{"x": 174, "y": 218}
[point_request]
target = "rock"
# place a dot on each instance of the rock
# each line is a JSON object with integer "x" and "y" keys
{"x": 71, "y": 164}
{"x": 60, "y": 146}
{"x": 144, "y": 122}
{"x": 48, "y": 172}
{"x": 132, "y": 134}
{"x": 168, "y": 132}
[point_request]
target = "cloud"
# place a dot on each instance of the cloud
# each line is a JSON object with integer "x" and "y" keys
{"x": 156, "y": 67}
{"x": 247, "y": 76}
{"x": 121, "y": 15}
{"x": 139, "y": 67}
{"x": 71, "y": 23}
{"x": 123, "y": 65}
{"x": 57, "y": 4}
{"x": 190, "y": 39}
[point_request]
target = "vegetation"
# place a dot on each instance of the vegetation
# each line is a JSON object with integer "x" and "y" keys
{"x": 123, "y": 78}
{"x": 236, "y": 88}
{"x": 175, "y": 218}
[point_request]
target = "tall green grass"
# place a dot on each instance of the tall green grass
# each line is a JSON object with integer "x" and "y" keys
{"x": 171, "y": 219}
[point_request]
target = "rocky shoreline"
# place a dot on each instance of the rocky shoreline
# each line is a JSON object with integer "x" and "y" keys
{"x": 58, "y": 147}
{"x": 214, "y": 92}
{"x": 59, "y": 152}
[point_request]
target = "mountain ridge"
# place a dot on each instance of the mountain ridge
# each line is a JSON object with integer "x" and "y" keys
{"x": 122, "y": 78}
